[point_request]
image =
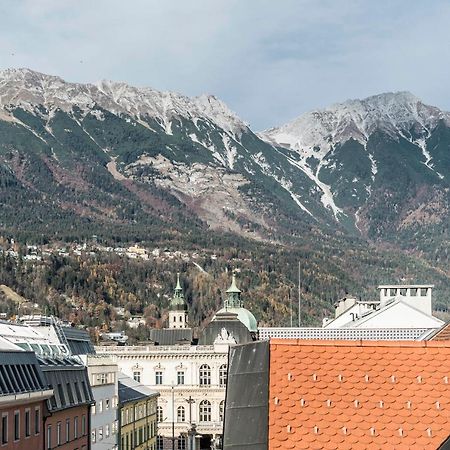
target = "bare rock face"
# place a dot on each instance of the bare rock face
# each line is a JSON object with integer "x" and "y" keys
{"x": 377, "y": 167}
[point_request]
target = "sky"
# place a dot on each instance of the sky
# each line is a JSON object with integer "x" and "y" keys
{"x": 269, "y": 61}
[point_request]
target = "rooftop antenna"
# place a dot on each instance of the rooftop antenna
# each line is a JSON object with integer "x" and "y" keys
{"x": 291, "y": 306}
{"x": 299, "y": 296}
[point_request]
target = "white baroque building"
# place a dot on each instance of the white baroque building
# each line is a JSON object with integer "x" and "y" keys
{"x": 191, "y": 379}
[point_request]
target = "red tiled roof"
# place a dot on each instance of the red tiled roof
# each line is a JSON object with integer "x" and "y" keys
{"x": 358, "y": 394}
{"x": 443, "y": 334}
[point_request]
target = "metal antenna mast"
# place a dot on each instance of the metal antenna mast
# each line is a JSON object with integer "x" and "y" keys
{"x": 291, "y": 306}
{"x": 299, "y": 296}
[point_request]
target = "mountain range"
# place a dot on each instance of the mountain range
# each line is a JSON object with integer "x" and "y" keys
{"x": 136, "y": 163}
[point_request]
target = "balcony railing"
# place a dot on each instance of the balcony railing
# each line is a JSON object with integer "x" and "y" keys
{"x": 133, "y": 349}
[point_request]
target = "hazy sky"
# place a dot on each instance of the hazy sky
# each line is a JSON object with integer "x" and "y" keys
{"x": 268, "y": 60}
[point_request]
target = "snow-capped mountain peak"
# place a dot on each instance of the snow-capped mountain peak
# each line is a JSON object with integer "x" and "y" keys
{"x": 28, "y": 89}
{"x": 357, "y": 119}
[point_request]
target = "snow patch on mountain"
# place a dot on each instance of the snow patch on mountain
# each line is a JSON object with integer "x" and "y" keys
{"x": 28, "y": 89}
{"x": 327, "y": 198}
{"x": 285, "y": 184}
{"x": 313, "y": 133}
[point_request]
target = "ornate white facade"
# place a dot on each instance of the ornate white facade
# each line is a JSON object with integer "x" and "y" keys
{"x": 190, "y": 378}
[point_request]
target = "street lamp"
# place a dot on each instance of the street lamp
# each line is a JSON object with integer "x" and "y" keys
{"x": 173, "y": 417}
{"x": 192, "y": 429}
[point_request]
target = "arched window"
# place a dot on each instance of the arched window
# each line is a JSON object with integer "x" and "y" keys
{"x": 205, "y": 411}
{"x": 223, "y": 375}
{"x": 181, "y": 416}
{"x": 159, "y": 414}
{"x": 221, "y": 410}
{"x": 205, "y": 375}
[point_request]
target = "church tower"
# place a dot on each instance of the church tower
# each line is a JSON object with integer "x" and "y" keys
{"x": 178, "y": 308}
{"x": 233, "y": 299}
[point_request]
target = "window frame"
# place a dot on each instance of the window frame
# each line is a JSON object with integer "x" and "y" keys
{"x": 204, "y": 375}
{"x": 181, "y": 414}
{"x": 180, "y": 377}
{"x": 16, "y": 425}
{"x": 223, "y": 375}
{"x": 204, "y": 412}
{"x": 27, "y": 423}
{"x": 4, "y": 434}
{"x": 37, "y": 420}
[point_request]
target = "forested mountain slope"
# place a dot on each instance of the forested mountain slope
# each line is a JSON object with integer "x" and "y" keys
{"x": 138, "y": 165}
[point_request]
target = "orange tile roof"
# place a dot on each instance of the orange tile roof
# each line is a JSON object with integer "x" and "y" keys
{"x": 443, "y": 334}
{"x": 358, "y": 394}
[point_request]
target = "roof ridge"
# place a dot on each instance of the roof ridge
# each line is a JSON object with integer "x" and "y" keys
{"x": 357, "y": 343}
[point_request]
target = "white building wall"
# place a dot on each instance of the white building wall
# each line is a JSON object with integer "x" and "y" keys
{"x": 357, "y": 310}
{"x": 400, "y": 315}
{"x": 169, "y": 360}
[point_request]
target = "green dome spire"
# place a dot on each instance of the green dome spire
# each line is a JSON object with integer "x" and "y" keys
{"x": 233, "y": 295}
{"x": 177, "y": 302}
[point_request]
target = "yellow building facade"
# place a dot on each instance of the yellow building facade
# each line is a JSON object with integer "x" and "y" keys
{"x": 138, "y": 425}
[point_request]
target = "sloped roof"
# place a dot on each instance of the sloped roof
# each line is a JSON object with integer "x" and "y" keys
{"x": 20, "y": 373}
{"x": 69, "y": 381}
{"x": 228, "y": 320}
{"x": 442, "y": 334}
{"x": 130, "y": 390}
{"x": 358, "y": 394}
{"x": 246, "y": 405}
{"x": 171, "y": 336}
{"x": 390, "y": 304}
{"x": 78, "y": 340}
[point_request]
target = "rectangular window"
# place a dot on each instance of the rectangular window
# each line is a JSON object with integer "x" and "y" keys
{"x": 75, "y": 428}
{"x": 4, "y": 428}
{"x": 100, "y": 433}
{"x": 49, "y": 437}
{"x": 16, "y": 425}
{"x": 37, "y": 421}
{"x": 58, "y": 433}
{"x": 67, "y": 430}
{"x": 27, "y": 423}
{"x": 137, "y": 376}
{"x": 100, "y": 406}
{"x": 93, "y": 436}
{"x": 83, "y": 425}
{"x": 106, "y": 430}
{"x": 107, "y": 404}
{"x": 61, "y": 395}
{"x": 158, "y": 377}
{"x": 180, "y": 377}
{"x": 70, "y": 393}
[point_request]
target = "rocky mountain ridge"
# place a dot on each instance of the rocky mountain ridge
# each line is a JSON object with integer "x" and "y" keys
{"x": 377, "y": 167}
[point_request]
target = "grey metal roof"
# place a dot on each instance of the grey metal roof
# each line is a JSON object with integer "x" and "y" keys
{"x": 130, "y": 390}
{"x": 78, "y": 340}
{"x": 169, "y": 336}
{"x": 234, "y": 327}
{"x": 445, "y": 445}
{"x": 70, "y": 383}
{"x": 20, "y": 373}
{"x": 247, "y": 398}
